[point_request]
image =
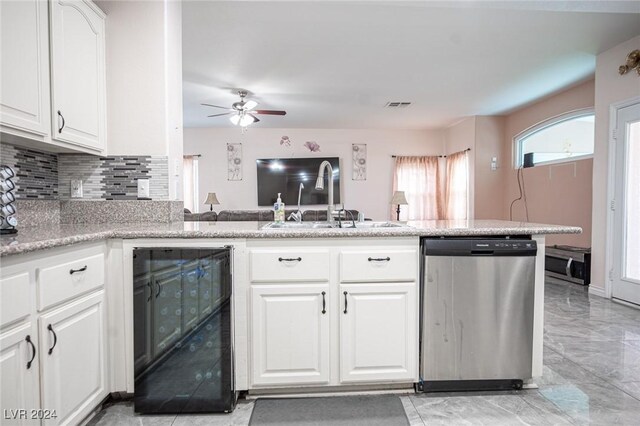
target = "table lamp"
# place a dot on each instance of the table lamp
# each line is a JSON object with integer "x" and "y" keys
{"x": 211, "y": 199}
{"x": 399, "y": 199}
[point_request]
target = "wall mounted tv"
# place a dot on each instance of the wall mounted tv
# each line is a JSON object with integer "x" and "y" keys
{"x": 285, "y": 175}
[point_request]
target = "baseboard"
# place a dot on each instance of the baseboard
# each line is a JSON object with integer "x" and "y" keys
{"x": 597, "y": 291}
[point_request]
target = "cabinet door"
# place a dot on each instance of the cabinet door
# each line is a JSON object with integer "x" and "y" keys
{"x": 290, "y": 334}
{"x": 72, "y": 359}
{"x": 167, "y": 309}
{"x": 378, "y": 332}
{"x": 24, "y": 66}
{"x": 78, "y": 73}
{"x": 19, "y": 384}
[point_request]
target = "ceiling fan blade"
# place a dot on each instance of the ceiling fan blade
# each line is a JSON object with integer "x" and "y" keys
{"x": 256, "y": 119}
{"x": 216, "y": 106}
{"x": 269, "y": 112}
{"x": 249, "y": 105}
{"x": 218, "y": 115}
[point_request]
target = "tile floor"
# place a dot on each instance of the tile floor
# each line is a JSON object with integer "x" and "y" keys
{"x": 591, "y": 376}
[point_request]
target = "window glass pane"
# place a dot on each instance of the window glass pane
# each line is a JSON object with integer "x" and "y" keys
{"x": 564, "y": 140}
{"x": 632, "y": 203}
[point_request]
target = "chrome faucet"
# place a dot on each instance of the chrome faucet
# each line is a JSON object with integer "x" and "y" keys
{"x": 297, "y": 215}
{"x": 320, "y": 186}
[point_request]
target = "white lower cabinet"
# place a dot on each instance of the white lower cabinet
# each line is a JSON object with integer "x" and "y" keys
{"x": 19, "y": 369}
{"x": 290, "y": 334}
{"x": 72, "y": 358}
{"x": 53, "y": 353}
{"x": 350, "y": 317}
{"x": 378, "y": 330}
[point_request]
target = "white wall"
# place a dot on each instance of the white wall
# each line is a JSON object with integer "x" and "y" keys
{"x": 610, "y": 88}
{"x": 144, "y": 81}
{"x": 371, "y": 196}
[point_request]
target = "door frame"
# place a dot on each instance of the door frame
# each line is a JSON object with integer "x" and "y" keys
{"x": 611, "y": 188}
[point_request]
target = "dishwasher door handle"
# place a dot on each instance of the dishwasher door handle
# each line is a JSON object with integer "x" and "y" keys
{"x": 482, "y": 252}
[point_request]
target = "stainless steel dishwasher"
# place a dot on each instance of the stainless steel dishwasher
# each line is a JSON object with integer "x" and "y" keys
{"x": 476, "y": 313}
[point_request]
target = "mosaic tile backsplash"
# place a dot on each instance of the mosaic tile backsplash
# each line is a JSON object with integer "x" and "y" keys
{"x": 114, "y": 177}
{"x": 48, "y": 176}
{"x": 36, "y": 172}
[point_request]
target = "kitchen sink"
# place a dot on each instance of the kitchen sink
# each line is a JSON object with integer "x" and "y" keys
{"x": 327, "y": 225}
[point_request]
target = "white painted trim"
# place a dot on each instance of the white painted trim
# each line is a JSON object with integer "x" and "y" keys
{"x": 611, "y": 187}
{"x": 597, "y": 291}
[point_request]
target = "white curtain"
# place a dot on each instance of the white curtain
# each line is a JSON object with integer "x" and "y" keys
{"x": 457, "y": 186}
{"x": 418, "y": 177}
{"x": 190, "y": 183}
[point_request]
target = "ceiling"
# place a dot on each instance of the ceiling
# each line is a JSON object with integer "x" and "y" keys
{"x": 336, "y": 64}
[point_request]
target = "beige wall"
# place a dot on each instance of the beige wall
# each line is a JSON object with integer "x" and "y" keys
{"x": 557, "y": 194}
{"x": 489, "y": 184}
{"x": 610, "y": 87}
{"x": 371, "y": 196}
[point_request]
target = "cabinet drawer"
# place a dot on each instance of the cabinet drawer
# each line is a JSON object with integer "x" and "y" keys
{"x": 15, "y": 303}
{"x": 67, "y": 280}
{"x": 289, "y": 265}
{"x": 378, "y": 265}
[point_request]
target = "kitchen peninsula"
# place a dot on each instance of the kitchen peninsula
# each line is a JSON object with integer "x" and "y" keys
{"x": 314, "y": 295}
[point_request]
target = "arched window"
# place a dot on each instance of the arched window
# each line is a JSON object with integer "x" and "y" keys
{"x": 567, "y": 137}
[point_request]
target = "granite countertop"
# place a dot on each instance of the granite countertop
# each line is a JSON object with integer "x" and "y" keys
{"x": 39, "y": 238}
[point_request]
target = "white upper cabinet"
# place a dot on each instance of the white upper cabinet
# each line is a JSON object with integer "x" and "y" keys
{"x": 24, "y": 68}
{"x": 78, "y": 82}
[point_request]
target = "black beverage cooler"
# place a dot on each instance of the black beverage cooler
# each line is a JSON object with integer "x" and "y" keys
{"x": 183, "y": 354}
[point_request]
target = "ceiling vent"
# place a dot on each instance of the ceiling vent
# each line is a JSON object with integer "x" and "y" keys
{"x": 397, "y": 104}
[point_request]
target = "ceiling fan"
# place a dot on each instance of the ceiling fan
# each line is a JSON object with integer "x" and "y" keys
{"x": 243, "y": 112}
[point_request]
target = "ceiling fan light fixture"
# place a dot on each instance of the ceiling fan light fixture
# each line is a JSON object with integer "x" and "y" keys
{"x": 246, "y": 120}
{"x": 235, "y": 119}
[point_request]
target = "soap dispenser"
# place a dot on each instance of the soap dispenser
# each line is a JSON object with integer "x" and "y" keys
{"x": 278, "y": 210}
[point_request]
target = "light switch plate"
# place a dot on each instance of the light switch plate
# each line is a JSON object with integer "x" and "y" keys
{"x": 76, "y": 188}
{"x": 143, "y": 188}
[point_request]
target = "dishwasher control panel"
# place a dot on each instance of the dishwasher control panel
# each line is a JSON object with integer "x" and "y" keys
{"x": 478, "y": 247}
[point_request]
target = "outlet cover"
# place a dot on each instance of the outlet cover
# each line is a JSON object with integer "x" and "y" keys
{"x": 143, "y": 188}
{"x": 76, "y": 188}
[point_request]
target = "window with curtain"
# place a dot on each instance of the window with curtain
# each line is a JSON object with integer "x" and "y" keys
{"x": 419, "y": 178}
{"x": 456, "y": 186}
{"x": 190, "y": 182}
{"x": 436, "y": 188}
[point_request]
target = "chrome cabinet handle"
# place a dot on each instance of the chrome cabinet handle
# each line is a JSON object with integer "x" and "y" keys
{"x": 73, "y": 271}
{"x": 567, "y": 268}
{"x": 55, "y": 338}
{"x": 158, "y": 286}
{"x": 324, "y": 304}
{"x": 345, "y": 302}
{"x": 33, "y": 354}
{"x": 379, "y": 259}
{"x": 289, "y": 259}
{"x": 63, "y": 122}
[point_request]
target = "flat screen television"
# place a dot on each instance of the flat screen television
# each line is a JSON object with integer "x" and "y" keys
{"x": 285, "y": 175}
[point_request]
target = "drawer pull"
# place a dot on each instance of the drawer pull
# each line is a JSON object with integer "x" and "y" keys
{"x": 63, "y": 122}
{"x": 73, "y": 271}
{"x": 289, "y": 259}
{"x": 345, "y": 302}
{"x": 324, "y": 303}
{"x": 33, "y": 348}
{"x": 379, "y": 259}
{"x": 55, "y": 338}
